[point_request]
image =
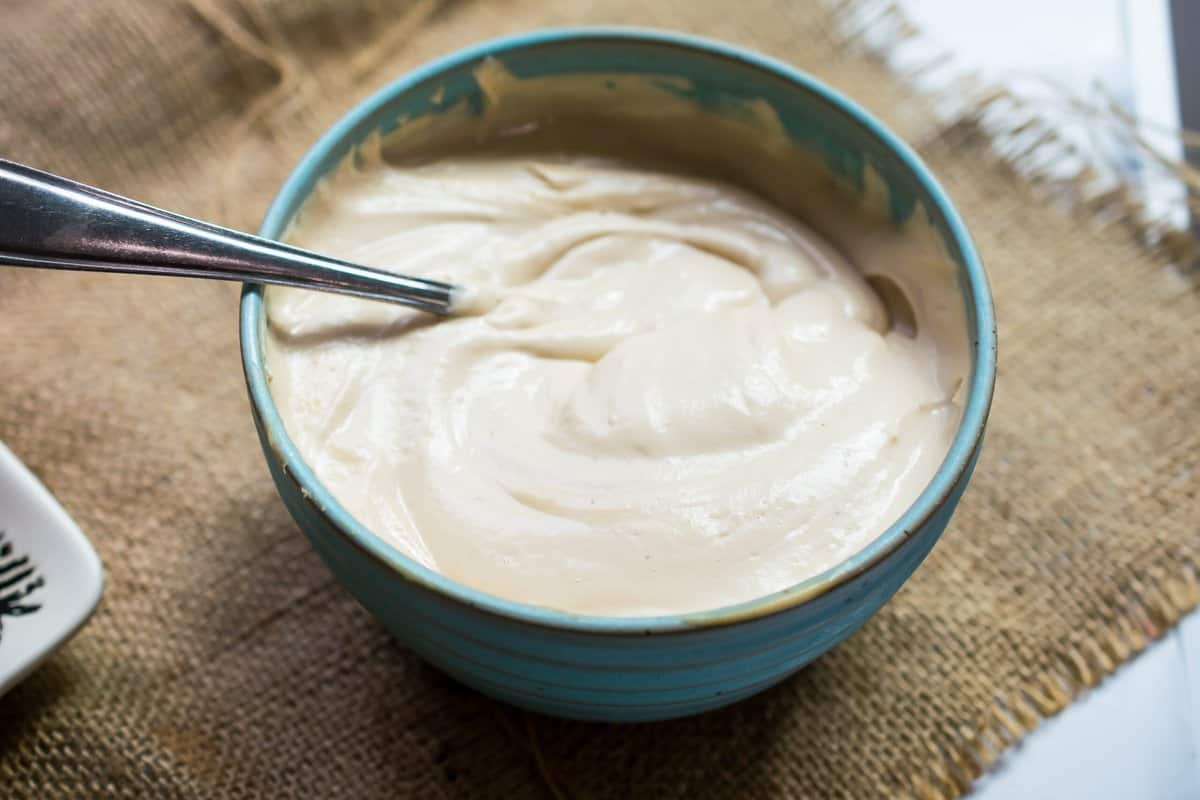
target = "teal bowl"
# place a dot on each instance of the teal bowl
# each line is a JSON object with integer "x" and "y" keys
{"x": 616, "y": 668}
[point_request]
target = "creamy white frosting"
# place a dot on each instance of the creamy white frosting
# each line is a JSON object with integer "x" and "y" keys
{"x": 669, "y": 396}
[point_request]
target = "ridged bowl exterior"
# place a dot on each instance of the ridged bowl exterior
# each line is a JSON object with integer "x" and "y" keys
{"x": 612, "y": 668}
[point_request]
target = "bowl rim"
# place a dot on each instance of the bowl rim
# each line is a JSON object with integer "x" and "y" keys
{"x": 958, "y": 459}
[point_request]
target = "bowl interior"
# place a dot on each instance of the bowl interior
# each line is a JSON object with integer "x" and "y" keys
{"x": 850, "y": 145}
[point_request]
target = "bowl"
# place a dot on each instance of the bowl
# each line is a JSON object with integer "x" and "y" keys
{"x": 617, "y": 668}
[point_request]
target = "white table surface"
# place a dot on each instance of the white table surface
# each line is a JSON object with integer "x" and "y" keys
{"x": 1137, "y": 735}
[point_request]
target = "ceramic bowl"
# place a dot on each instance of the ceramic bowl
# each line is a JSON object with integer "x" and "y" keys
{"x": 611, "y": 668}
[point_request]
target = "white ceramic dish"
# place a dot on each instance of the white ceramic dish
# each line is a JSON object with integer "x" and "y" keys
{"x": 50, "y": 576}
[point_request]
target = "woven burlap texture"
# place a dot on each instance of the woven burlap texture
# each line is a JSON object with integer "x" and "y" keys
{"x": 224, "y": 661}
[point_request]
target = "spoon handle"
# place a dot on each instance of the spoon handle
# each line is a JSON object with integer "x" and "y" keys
{"x": 51, "y": 222}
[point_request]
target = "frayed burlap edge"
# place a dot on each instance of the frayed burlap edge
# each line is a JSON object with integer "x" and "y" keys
{"x": 1019, "y": 139}
{"x": 1137, "y": 615}
{"x": 1018, "y": 132}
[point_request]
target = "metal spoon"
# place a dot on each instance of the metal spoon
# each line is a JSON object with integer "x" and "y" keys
{"x": 51, "y": 222}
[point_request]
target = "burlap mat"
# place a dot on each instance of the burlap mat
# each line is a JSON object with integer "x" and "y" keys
{"x": 224, "y": 662}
